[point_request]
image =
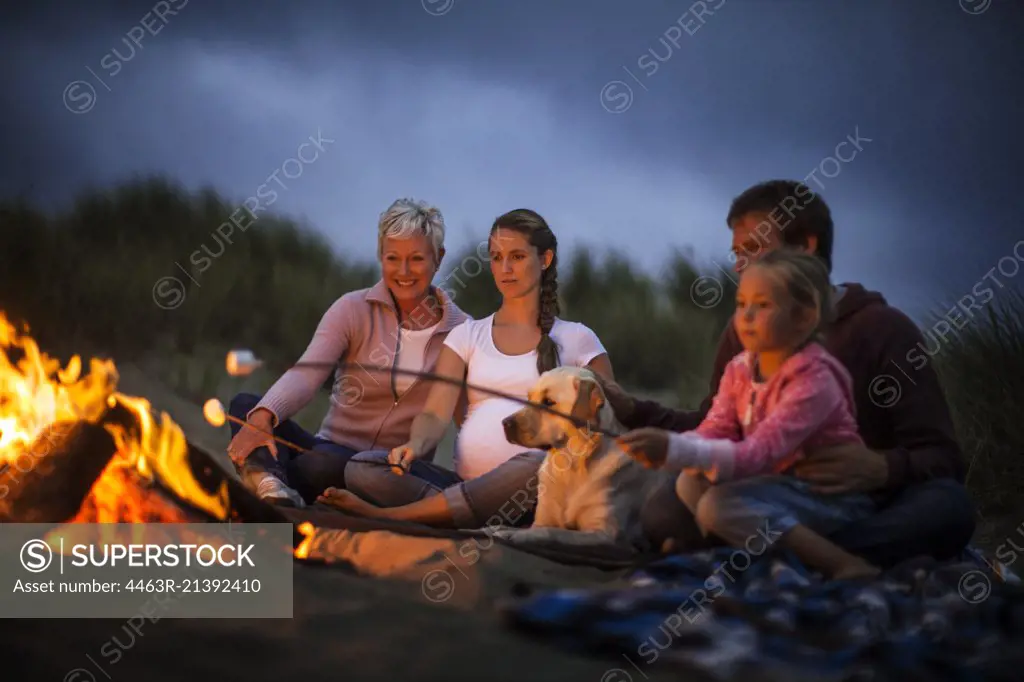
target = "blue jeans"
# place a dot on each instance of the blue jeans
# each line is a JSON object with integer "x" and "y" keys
{"x": 737, "y": 511}
{"x": 311, "y": 472}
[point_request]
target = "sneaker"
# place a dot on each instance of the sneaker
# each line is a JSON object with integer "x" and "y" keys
{"x": 272, "y": 489}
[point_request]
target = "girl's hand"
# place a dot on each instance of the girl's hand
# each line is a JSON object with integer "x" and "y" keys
{"x": 648, "y": 446}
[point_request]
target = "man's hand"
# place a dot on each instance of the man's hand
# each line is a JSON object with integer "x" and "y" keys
{"x": 622, "y": 402}
{"x": 840, "y": 469}
{"x": 648, "y": 446}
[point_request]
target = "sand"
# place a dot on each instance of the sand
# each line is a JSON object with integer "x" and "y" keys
{"x": 345, "y": 625}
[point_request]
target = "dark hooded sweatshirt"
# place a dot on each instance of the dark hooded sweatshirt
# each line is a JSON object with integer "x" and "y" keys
{"x": 901, "y": 410}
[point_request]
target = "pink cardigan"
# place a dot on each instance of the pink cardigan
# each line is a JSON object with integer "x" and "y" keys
{"x": 762, "y": 428}
{"x": 364, "y": 414}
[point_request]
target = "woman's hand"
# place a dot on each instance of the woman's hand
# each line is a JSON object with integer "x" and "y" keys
{"x": 402, "y": 457}
{"x": 255, "y": 433}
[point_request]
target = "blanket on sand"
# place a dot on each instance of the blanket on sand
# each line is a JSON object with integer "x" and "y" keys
{"x": 468, "y": 541}
{"x": 721, "y": 611}
{"x": 727, "y": 613}
{"x": 467, "y": 571}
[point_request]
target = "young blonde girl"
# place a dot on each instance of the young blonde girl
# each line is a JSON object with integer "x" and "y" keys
{"x": 783, "y": 395}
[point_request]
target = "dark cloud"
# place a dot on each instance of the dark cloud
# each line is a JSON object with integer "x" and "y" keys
{"x": 492, "y": 105}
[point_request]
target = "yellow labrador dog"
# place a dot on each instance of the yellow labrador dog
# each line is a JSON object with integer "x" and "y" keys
{"x": 589, "y": 491}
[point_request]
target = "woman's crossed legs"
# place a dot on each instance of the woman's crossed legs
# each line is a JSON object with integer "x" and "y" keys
{"x": 435, "y": 496}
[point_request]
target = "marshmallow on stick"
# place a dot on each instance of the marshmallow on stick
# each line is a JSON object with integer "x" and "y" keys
{"x": 242, "y": 362}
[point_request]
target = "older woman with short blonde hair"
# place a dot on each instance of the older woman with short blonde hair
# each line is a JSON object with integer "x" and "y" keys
{"x": 401, "y": 322}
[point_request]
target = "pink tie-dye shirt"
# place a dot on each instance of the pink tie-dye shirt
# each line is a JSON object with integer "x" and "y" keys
{"x": 758, "y": 428}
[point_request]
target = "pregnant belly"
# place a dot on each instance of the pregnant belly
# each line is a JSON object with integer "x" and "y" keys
{"x": 481, "y": 444}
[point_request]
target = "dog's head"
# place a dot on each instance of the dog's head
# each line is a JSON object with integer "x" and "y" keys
{"x": 570, "y": 390}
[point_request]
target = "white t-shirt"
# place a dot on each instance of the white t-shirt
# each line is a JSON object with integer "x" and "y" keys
{"x": 481, "y": 444}
{"x": 412, "y": 349}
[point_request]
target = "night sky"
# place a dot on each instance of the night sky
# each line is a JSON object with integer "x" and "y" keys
{"x": 629, "y": 125}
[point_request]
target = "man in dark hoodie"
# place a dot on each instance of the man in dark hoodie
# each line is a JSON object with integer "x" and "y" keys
{"x": 912, "y": 462}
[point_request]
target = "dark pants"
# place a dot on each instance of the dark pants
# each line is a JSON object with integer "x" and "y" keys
{"x": 369, "y": 477}
{"x": 506, "y": 495}
{"x": 321, "y": 466}
{"x": 934, "y": 518}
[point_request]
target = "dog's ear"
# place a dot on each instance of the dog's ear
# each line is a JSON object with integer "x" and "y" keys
{"x": 588, "y": 401}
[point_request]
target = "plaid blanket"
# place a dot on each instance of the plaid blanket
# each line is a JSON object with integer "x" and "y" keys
{"x": 728, "y": 614}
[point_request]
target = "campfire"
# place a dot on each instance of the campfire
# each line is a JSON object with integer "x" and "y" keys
{"x": 75, "y": 450}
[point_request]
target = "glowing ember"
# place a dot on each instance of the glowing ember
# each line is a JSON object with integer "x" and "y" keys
{"x": 36, "y": 392}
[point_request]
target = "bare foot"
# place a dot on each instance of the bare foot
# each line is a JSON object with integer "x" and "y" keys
{"x": 348, "y": 501}
{"x": 857, "y": 571}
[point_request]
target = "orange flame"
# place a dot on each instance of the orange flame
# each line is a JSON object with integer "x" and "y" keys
{"x": 304, "y": 548}
{"x": 36, "y": 392}
{"x": 30, "y": 399}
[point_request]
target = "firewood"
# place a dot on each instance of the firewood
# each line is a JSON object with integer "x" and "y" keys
{"x": 47, "y": 482}
{"x": 71, "y": 473}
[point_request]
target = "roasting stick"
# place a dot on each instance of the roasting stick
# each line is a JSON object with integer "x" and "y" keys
{"x": 244, "y": 362}
{"x": 214, "y": 412}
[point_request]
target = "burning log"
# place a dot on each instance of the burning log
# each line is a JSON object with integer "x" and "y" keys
{"x": 121, "y": 495}
{"x": 74, "y": 449}
{"x": 48, "y": 481}
{"x": 74, "y": 472}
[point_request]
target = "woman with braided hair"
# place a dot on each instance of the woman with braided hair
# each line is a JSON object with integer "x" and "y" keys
{"x": 506, "y": 351}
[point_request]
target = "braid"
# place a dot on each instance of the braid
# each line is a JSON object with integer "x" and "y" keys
{"x": 547, "y": 349}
